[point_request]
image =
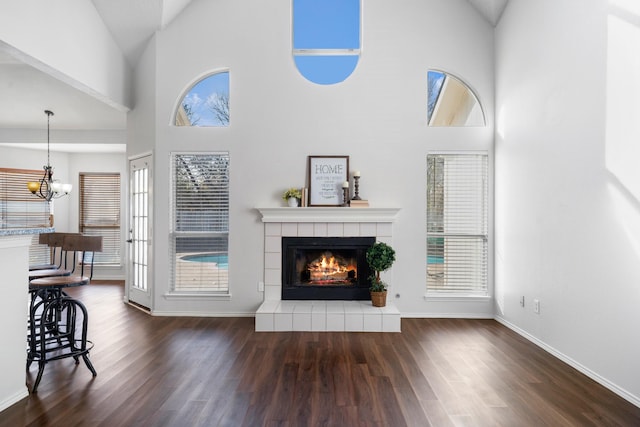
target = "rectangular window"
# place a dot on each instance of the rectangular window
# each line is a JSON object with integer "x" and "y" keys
{"x": 200, "y": 222}
{"x": 19, "y": 208}
{"x": 457, "y": 223}
{"x": 100, "y": 213}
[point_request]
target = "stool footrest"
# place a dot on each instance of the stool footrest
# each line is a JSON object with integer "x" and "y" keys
{"x": 57, "y": 330}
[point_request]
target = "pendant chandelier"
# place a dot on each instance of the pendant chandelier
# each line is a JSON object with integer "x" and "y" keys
{"x": 48, "y": 188}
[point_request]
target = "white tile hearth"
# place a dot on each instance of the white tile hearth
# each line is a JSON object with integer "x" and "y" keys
{"x": 336, "y": 316}
{"x": 350, "y": 316}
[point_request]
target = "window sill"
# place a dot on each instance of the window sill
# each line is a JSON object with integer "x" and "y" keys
{"x": 456, "y": 297}
{"x": 105, "y": 266}
{"x": 197, "y": 296}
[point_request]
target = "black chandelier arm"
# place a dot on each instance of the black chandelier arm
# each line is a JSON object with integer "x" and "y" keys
{"x": 48, "y": 188}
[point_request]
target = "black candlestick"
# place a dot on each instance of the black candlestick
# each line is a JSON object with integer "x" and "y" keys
{"x": 356, "y": 180}
{"x": 345, "y": 196}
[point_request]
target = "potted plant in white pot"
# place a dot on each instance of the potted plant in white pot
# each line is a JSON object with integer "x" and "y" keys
{"x": 292, "y": 197}
{"x": 380, "y": 257}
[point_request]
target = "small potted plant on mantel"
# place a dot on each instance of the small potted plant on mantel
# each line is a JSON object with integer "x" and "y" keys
{"x": 292, "y": 196}
{"x": 380, "y": 257}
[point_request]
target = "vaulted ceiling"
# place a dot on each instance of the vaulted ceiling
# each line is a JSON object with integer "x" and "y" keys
{"x": 132, "y": 23}
{"x": 25, "y": 90}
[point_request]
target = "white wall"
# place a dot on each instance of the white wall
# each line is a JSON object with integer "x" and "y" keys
{"x": 567, "y": 214}
{"x": 14, "y": 259}
{"x": 141, "y": 120}
{"x": 68, "y": 40}
{"x": 377, "y": 117}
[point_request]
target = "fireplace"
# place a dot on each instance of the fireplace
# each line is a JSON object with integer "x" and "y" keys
{"x": 318, "y": 223}
{"x": 325, "y": 268}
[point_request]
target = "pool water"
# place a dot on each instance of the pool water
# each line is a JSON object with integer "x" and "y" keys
{"x": 222, "y": 260}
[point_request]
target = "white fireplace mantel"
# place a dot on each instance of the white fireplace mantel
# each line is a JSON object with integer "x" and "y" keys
{"x": 328, "y": 214}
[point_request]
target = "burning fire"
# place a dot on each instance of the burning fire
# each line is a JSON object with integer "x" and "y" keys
{"x": 329, "y": 269}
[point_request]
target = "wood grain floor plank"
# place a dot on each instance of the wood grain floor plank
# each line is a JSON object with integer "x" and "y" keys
{"x": 186, "y": 371}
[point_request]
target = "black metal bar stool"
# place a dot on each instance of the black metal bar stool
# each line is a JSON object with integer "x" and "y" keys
{"x": 57, "y": 322}
{"x": 38, "y": 294}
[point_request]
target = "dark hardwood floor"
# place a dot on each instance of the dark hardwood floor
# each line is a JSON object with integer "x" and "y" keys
{"x": 155, "y": 371}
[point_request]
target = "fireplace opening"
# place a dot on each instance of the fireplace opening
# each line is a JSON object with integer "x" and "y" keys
{"x": 325, "y": 268}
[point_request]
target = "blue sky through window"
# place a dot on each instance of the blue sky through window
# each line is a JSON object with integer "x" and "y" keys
{"x": 326, "y": 24}
{"x": 326, "y": 70}
{"x": 435, "y": 80}
{"x": 204, "y": 97}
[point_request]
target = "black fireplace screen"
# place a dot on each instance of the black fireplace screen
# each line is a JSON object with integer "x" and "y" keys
{"x": 332, "y": 268}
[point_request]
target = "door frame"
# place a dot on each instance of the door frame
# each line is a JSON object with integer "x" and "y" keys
{"x": 135, "y": 295}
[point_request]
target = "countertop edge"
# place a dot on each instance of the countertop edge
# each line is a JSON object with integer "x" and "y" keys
{"x": 25, "y": 231}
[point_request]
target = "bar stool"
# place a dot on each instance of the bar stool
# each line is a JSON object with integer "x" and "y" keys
{"x": 54, "y": 241}
{"x": 39, "y": 294}
{"x": 57, "y": 322}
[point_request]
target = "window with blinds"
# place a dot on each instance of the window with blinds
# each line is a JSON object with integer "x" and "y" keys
{"x": 200, "y": 222}
{"x": 100, "y": 213}
{"x": 20, "y": 208}
{"x": 457, "y": 223}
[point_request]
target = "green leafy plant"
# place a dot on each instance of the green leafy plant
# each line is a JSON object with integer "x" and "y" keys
{"x": 380, "y": 257}
{"x": 291, "y": 192}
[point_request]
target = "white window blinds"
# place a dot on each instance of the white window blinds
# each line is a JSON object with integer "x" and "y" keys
{"x": 457, "y": 223}
{"x": 200, "y": 222}
{"x": 20, "y": 208}
{"x": 100, "y": 213}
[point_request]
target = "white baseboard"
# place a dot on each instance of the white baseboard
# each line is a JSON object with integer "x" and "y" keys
{"x": 571, "y": 362}
{"x": 11, "y": 400}
{"x": 446, "y": 316}
{"x": 199, "y": 314}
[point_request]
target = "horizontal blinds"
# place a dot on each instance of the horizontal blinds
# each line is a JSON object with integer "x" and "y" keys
{"x": 457, "y": 223}
{"x": 200, "y": 222}
{"x": 100, "y": 213}
{"x": 20, "y": 208}
{"x": 201, "y": 262}
{"x": 39, "y": 254}
{"x": 201, "y": 192}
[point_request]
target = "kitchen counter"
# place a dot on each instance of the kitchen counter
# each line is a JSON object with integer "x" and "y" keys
{"x": 14, "y": 270}
{"x": 15, "y": 231}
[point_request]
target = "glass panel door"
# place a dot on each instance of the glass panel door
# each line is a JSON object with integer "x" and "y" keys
{"x": 139, "y": 289}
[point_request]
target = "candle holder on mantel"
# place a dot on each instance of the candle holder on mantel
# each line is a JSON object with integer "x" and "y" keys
{"x": 356, "y": 185}
{"x": 345, "y": 196}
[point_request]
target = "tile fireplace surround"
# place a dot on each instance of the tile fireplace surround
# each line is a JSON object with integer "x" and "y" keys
{"x": 351, "y": 316}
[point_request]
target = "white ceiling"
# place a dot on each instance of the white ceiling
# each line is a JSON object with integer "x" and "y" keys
{"x": 132, "y": 23}
{"x": 490, "y": 9}
{"x": 26, "y": 92}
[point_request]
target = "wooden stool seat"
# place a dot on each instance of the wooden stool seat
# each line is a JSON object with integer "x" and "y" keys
{"x": 38, "y": 274}
{"x": 59, "y": 281}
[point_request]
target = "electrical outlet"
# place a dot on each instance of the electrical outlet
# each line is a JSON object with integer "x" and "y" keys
{"x": 522, "y": 301}
{"x": 260, "y": 286}
{"x": 536, "y": 306}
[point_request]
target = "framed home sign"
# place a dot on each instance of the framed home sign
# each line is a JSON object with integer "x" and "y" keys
{"x": 326, "y": 176}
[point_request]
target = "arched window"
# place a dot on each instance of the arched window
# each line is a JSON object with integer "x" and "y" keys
{"x": 326, "y": 39}
{"x": 450, "y": 102}
{"x": 206, "y": 103}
